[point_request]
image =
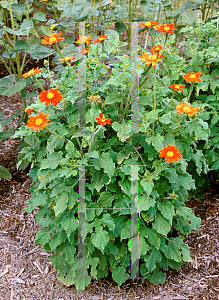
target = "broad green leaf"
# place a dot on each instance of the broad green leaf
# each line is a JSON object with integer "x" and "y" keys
{"x": 189, "y": 17}
{"x": 4, "y": 173}
{"x": 125, "y": 186}
{"x": 153, "y": 115}
{"x": 153, "y": 237}
{"x": 58, "y": 238}
{"x": 105, "y": 199}
{"x": 40, "y": 51}
{"x": 123, "y": 130}
{"x": 184, "y": 181}
{"x": 7, "y": 88}
{"x": 72, "y": 199}
{"x": 128, "y": 231}
{"x": 18, "y": 8}
{"x": 5, "y": 134}
{"x": 108, "y": 221}
{"x": 157, "y": 142}
{"x": 119, "y": 275}
{"x": 100, "y": 239}
{"x": 106, "y": 163}
{"x": 61, "y": 203}
{"x": 46, "y": 30}
{"x": 54, "y": 142}
{"x": 147, "y": 186}
{"x": 198, "y": 158}
{"x": 39, "y": 16}
{"x": 96, "y": 179}
{"x": 167, "y": 210}
{"x": 72, "y": 152}
{"x": 166, "y": 118}
{"x": 4, "y": 121}
{"x": 161, "y": 225}
{"x": 172, "y": 250}
{"x": 52, "y": 161}
{"x": 145, "y": 202}
{"x": 186, "y": 253}
{"x": 112, "y": 98}
{"x": 157, "y": 277}
{"x": 43, "y": 236}
{"x": 69, "y": 223}
{"x": 152, "y": 259}
{"x": 143, "y": 246}
{"x": 21, "y": 45}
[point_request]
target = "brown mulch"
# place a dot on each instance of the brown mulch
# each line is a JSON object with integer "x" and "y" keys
{"x": 25, "y": 270}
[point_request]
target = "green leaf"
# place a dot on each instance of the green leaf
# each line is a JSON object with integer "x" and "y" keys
{"x": 40, "y": 51}
{"x": 54, "y": 142}
{"x": 61, "y": 204}
{"x": 72, "y": 152}
{"x": 43, "y": 236}
{"x": 161, "y": 225}
{"x": 172, "y": 251}
{"x": 153, "y": 115}
{"x": 4, "y": 121}
{"x": 145, "y": 202}
{"x": 4, "y": 173}
{"x": 153, "y": 237}
{"x": 5, "y": 134}
{"x": 7, "y": 88}
{"x": 57, "y": 239}
{"x": 189, "y": 17}
{"x": 186, "y": 253}
{"x": 125, "y": 186}
{"x": 120, "y": 27}
{"x": 105, "y": 162}
{"x": 167, "y": 210}
{"x": 148, "y": 8}
{"x": 184, "y": 181}
{"x": 152, "y": 259}
{"x": 105, "y": 199}
{"x": 157, "y": 277}
{"x": 21, "y": 45}
{"x": 166, "y": 118}
{"x": 46, "y": 30}
{"x": 69, "y": 223}
{"x": 112, "y": 98}
{"x": 39, "y": 16}
{"x": 119, "y": 275}
{"x": 147, "y": 186}
{"x": 100, "y": 239}
{"x": 143, "y": 246}
{"x": 123, "y": 130}
{"x": 108, "y": 221}
{"x": 72, "y": 199}
{"x": 52, "y": 161}
{"x": 18, "y": 8}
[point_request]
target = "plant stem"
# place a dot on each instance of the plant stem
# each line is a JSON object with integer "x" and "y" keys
{"x": 9, "y": 70}
{"x": 98, "y": 19}
{"x": 81, "y": 150}
{"x": 154, "y": 96}
{"x": 139, "y": 155}
{"x": 175, "y": 128}
{"x": 146, "y": 40}
{"x": 50, "y": 131}
{"x": 36, "y": 80}
{"x": 58, "y": 50}
{"x": 190, "y": 92}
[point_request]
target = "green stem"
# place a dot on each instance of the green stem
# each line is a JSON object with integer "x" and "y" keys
{"x": 50, "y": 131}
{"x": 54, "y": 9}
{"x": 98, "y": 20}
{"x": 139, "y": 155}
{"x": 9, "y": 70}
{"x": 174, "y": 128}
{"x": 57, "y": 49}
{"x": 146, "y": 41}
{"x": 154, "y": 87}
{"x": 129, "y": 24}
{"x": 36, "y": 80}
{"x": 81, "y": 150}
{"x": 190, "y": 92}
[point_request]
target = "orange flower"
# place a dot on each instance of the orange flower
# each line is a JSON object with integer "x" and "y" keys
{"x": 101, "y": 38}
{"x": 177, "y": 87}
{"x": 67, "y": 58}
{"x": 38, "y": 122}
{"x": 53, "y": 96}
{"x": 151, "y": 59}
{"x": 53, "y": 39}
{"x": 85, "y": 51}
{"x": 84, "y": 39}
{"x": 170, "y": 153}
{"x": 191, "y": 77}
{"x": 29, "y": 110}
{"x": 185, "y": 108}
{"x": 148, "y": 24}
{"x": 31, "y": 72}
{"x": 166, "y": 28}
{"x": 156, "y": 48}
{"x": 102, "y": 121}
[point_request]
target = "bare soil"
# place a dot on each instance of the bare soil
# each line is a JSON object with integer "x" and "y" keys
{"x": 25, "y": 270}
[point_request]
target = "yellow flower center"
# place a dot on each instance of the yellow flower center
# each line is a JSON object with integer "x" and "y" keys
{"x": 52, "y": 39}
{"x": 166, "y": 28}
{"x": 31, "y": 73}
{"x": 103, "y": 120}
{"x": 177, "y": 86}
{"x": 148, "y": 24}
{"x": 50, "y": 95}
{"x": 170, "y": 153}
{"x": 101, "y": 39}
{"x": 186, "y": 109}
{"x": 152, "y": 57}
{"x": 67, "y": 58}
{"x": 192, "y": 76}
{"x": 39, "y": 121}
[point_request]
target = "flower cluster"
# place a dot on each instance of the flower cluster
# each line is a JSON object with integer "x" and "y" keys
{"x": 177, "y": 87}
{"x": 170, "y": 153}
{"x": 186, "y": 108}
{"x": 153, "y": 58}
{"x": 52, "y": 39}
{"x": 67, "y": 58}
{"x": 53, "y": 96}
{"x": 31, "y": 73}
{"x": 166, "y": 28}
{"x": 38, "y": 122}
{"x": 191, "y": 77}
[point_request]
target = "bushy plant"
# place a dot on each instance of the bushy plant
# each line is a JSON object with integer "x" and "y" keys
{"x": 134, "y": 153}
